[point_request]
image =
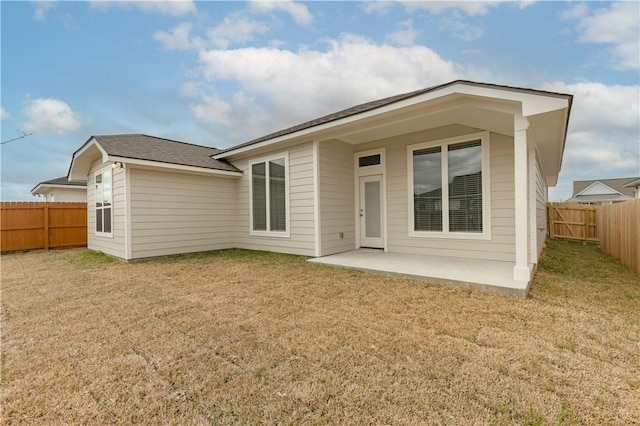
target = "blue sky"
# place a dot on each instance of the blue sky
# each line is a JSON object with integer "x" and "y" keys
{"x": 222, "y": 73}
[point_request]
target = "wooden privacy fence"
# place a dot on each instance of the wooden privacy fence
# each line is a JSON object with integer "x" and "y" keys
{"x": 572, "y": 221}
{"x": 38, "y": 225}
{"x": 619, "y": 231}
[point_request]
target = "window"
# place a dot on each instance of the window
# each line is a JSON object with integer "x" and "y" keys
{"x": 269, "y": 196}
{"x": 103, "y": 198}
{"x": 369, "y": 160}
{"x": 448, "y": 188}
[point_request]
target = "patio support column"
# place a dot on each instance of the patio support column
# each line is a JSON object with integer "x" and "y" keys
{"x": 533, "y": 200}
{"x": 316, "y": 199}
{"x": 521, "y": 270}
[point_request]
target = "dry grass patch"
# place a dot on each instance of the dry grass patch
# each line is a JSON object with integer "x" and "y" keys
{"x": 243, "y": 337}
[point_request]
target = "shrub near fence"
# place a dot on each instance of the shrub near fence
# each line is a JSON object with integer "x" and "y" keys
{"x": 38, "y": 225}
{"x": 619, "y": 231}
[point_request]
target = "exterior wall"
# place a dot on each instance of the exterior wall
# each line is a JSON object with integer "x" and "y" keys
{"x": 65, "y": 195}
{"x": 116, "y": 244}
{"x": 175, "y": 213}
{"x": 541, "y": 207}
{"x": 500, "y": 247}
{"x": 301, "y": 205}
{"x": 337, "y": 202}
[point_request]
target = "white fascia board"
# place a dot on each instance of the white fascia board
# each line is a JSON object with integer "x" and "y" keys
{"x": 91, "y": 144}
{"x": 36, "y": 190}
{"x": 47, "y": 186}
{"x": 179, "y": 167}
{"x": 532, "y": 104}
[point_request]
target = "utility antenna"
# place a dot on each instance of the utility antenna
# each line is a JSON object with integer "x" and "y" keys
{"x": 21, "y": 135}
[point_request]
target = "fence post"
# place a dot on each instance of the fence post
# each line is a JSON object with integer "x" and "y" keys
{"x": 46, "y": 226}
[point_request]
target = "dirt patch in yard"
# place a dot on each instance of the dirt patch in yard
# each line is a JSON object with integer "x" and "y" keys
{"x": 239, "y": 337}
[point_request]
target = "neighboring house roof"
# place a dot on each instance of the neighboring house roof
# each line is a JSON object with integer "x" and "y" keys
{"x": 60, "y": 182}
{"x": 632, "y": 184}
{"x": 149, "y": 150}
{"x": 604, "y": 186}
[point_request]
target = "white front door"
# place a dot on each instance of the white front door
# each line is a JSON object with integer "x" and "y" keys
{"x": 371, "y": 212}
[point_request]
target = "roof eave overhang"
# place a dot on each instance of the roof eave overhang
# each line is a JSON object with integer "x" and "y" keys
{"x": 549, "y": 129}
{"x": 45, "y": 187}
{"x": 532, "y": 103}
{"x": 171, "y": 166}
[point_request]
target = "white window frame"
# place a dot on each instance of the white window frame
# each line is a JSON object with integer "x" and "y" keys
{"x": 486, "y": 188}
{"x": 268, "y": 233}
{"x": 95, "y": 206}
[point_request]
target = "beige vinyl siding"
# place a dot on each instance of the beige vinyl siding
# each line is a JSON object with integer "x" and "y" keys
{"x": 541, "y": 207}
{"x": 174, "y": 212}
{"x": 500, "y": 247}
{"x": 336, "y": 197}
{"x": 113, "y": 245}
{"x": 301, "y": 205}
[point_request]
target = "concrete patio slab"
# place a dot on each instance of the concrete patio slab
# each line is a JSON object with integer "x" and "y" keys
{"x": 492, "y": 276}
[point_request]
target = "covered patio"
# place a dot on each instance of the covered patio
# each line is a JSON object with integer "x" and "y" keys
{"x": 485, "y": 275}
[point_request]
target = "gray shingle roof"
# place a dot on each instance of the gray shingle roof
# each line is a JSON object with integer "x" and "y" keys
{"x": 151, "y": 148}
{"x": 368, "y": 106}
{"x": 61, "y": 181}
{"x": 618, "y": 184}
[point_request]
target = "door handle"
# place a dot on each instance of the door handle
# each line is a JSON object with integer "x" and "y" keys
{"x": 361, "y": 212}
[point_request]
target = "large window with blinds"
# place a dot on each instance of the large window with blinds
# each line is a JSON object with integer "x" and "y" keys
{"x": 104, "y": 203}
{"x": 448, "y": 184}
{"x": 269, "y": 196}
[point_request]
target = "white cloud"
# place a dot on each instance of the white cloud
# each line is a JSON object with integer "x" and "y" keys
{"x": 298, "y": 11}
{"x": 600, "y": 107}
{"x": 460, "y": 29}
{"x": 604, "y": 133}
{"x": 438, "y": 7}
{"x": 42, "y": 6}
{"x": 406, "y": 35}
{"x": 577, "y": 11}
{"x": 377, "y": 7}
{"x": 289, "y": 87}
{"x": 617, "y": 26}
{"x": 526, "y": 3}
{"x": 179, "y": 38}
{"x": 50, "y": 116}
{"x": 4, "y": 114}
{"x": 169, "y": 8}
{"x": 235, "y": 28}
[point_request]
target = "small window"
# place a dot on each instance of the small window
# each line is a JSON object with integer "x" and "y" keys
{"x": 103, "y": 197}
{"x": 369, "y": 160}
